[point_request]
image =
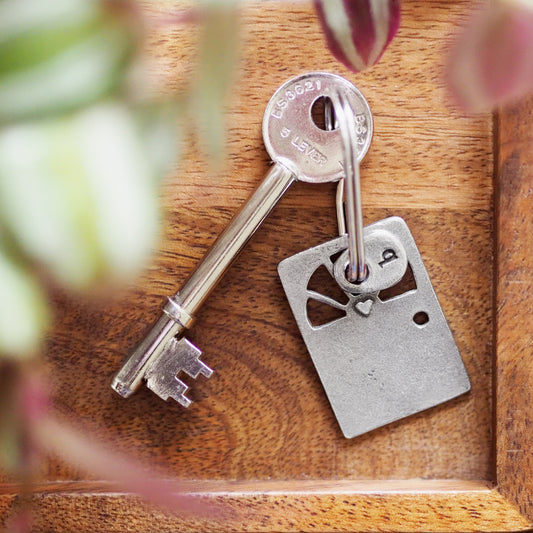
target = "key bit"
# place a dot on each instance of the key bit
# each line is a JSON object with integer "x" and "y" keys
{"x": 177, "y": 356}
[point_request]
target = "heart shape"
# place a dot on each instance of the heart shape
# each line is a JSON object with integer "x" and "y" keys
{"x": 363, "y": 307}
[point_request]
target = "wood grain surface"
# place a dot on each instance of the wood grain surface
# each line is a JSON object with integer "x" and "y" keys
{"x": 261, "y": 433}
{"x": 264, "y": 410}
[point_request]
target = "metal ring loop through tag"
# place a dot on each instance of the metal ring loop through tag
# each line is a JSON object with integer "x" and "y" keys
{"x": 345, "y": 117}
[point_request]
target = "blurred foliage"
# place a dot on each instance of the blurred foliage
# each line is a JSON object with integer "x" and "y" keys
{"x": 11, "y": 430}
{"x": 82, "y": 155}
{"x": 217, "y": 57}
{"x": 84, "y": 204}
{"x": 61, "y": 54}
{"x": 357, "y": 33}
{"x": 24, "y": 313}
{"x": 491, "y": 62}
{"x": 80, "y": 161}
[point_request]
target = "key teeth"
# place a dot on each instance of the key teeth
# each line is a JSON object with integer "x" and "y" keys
{"x": 181, "y": 398}
{"x": 169, "y": 387}
{"x": 202, "y": 369}
{"x": 178, "y": 356}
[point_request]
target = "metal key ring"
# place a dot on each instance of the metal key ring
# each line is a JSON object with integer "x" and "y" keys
{"x": 345, "y": 117}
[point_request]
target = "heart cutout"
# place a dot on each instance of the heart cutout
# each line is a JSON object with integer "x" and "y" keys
{"x": 363, "y": 307}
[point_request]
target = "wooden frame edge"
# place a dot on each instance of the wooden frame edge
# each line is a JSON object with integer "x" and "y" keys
{"x": 355, "y": 506}
{"x": 514, "y": 306}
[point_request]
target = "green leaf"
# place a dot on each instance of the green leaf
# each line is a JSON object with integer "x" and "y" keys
{"x": 217, "y": 59}
{"x": 159, "y": 127}
{"x": 23, "y": 313}
{"x": 79, "y": 53}
{"x": 78, "y": 194}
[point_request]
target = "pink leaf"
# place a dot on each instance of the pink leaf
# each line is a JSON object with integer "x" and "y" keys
{"x": 44, "y": 433}
{"x": 492, "y": 61}
{"x": 100, "y": 461}
{"x": 358, "y": 31}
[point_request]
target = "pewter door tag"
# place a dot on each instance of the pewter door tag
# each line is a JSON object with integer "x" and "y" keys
{"x": 389, "y": 354}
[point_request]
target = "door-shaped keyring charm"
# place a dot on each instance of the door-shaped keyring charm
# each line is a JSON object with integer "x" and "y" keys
{"x": 388, "y": 352}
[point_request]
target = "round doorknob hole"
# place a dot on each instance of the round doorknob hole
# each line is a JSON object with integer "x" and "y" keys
{"x": 421, "y": 318}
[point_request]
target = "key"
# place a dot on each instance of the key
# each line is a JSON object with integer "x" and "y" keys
{"x": 301, "y": 151}
{"x": 388, "y": 352}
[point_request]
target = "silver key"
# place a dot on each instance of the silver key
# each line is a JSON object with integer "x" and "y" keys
{"x": 388, "y": 354}
{"x": 302, "y": 151}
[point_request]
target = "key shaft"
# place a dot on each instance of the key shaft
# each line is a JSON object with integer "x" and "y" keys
{"x": 181, "y": 309}
{"x": 231, "y": 242}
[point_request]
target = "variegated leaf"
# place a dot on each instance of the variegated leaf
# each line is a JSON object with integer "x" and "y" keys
{"x": 78, "y": 193}
{"x": 358, "y": 31}
{"x": 492, "y": 61}
{"x": 216, "y": 69}
{"x": 23, "y": 311}
{"x": 61, "y": 54}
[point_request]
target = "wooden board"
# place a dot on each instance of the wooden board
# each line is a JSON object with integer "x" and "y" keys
{"x": 261, "y": 433}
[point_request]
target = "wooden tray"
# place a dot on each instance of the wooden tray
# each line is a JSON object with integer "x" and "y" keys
{"x": 261, "y": 433}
